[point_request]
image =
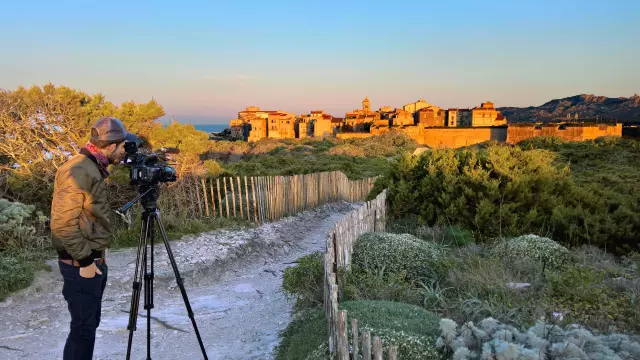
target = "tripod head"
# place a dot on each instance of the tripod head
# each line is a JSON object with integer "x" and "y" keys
{"x": 148, "y": 197}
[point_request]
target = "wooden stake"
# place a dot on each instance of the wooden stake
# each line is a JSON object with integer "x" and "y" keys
{"x": 226, "y": 196}
{"x": 213, "y": 199}
{"x": 198, "y": 196}
{"x": 343, "y": 343}
{"x": 366, "y": 346}
{"x": 255, "y": 204}
{"x": 246, "y": 191}
{"x": 393, "y": 352}
{"x": 377, "y": 348}
{"x": 240, "y": 199}
{"x": 354, "y": 337}
{"x": 204, "y": 195}
{"x": 219, "y": 197}
{"x": 233, "y": 197}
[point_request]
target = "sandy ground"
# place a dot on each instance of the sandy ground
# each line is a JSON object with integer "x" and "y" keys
{"x": 233, "y": 280}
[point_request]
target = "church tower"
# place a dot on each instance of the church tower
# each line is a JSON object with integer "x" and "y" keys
{"x": 366, "y": 105}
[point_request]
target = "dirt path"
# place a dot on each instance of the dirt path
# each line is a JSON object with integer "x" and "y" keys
{"x": 232, "y": 278}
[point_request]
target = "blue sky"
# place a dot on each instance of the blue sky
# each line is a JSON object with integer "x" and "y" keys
{"x": 206, "y": 60}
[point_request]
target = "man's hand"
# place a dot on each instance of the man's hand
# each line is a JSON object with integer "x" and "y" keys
{"x": 90, "y": 271}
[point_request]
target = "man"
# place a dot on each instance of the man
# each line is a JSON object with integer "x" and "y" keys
{"x": 80, "y": 230}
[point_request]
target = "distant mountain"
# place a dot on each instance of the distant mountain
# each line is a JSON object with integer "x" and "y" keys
{"x": 586, "y": 106}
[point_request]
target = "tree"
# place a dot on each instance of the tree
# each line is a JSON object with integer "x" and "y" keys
{"x": 41, "y": 127}
{"x": 190, "y": 142}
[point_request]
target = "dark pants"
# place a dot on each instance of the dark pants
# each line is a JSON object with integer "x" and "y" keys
{"x": 84, "y": 298}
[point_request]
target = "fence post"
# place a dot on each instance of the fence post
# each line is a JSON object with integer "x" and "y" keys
{"x": 204, "y": 195}
{"x": 226, "y": 196}
{"x": 198, "y": 196}
{"x": 377, "y": 348}
{"x": 393, "y": 352}
{"x": 375, "y": 219}
{"x": 343, "y": 342}
{"x": 246, "y": 191}
{"x": 213, "y": 199}
{"x": 219, "y": 197}
{"x": 366, "y": 346}
{"x": 354, "y": 336}
{"x": 240, "y": 198}
{"x": 233, "y": 197}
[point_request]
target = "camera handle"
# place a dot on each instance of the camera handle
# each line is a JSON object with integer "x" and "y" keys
{"x": 146, "y": 247}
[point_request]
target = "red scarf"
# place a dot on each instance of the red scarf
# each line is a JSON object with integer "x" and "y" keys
{"x": 103, "y": 162}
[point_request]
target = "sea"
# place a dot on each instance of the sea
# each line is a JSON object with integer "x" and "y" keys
{"x": 209, "y": 128}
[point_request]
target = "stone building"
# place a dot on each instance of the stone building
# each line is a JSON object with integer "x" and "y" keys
{"x": 327, "y": 125}
{"x": 402, "y": 118}
{"x": 258, "y": 129}
{"x": 431, "y": 116}
{"x": 360, "y": 120}
{"x": 416, "y": 106}
{"x": 487, "y": 115}
{"x": 452, "y": 117}
{"x": 281, "y": 125}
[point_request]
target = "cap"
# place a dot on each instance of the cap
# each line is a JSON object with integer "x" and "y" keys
{"x": 110, "y": 129}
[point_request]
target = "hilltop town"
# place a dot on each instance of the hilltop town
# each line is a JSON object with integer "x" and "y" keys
{"x": 426, "y": 123}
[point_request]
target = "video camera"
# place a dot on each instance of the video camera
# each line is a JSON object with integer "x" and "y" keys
{"x": 149, "y": 169}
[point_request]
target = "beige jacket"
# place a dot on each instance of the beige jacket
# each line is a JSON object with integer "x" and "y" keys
{"x": 79, "y": 210}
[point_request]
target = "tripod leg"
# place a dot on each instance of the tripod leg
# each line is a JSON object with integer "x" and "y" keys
{"x": 137, "y": 279}
{"x": 148, "y": 283}
{"x": 156, "y": 215}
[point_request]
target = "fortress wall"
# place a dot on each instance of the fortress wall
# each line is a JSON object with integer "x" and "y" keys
{"x": 515, "y": 134}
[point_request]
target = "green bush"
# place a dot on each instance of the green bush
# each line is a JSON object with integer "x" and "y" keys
{"x": 551, "y": 254}
{"x": 398, "y": 253}
{"x": 17, "y": 268}
{"x": 576, "y": 192}
{"x": 305, "y": 280}
{"x": 589, "y": 296}
{"x": 411, "y": 328}
{"x": 303, "y": 335}
{"x": 447, "y": 235}
{"x": 19, "y": 225}
{"x": 364, "y": 284}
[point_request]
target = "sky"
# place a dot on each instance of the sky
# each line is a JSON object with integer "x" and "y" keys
{"x": 204, "y": 61}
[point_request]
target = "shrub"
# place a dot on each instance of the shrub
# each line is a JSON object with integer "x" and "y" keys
{"x": 505, "y": 191}
{"x": 493, "y": 340}
{"x": 17, "y": 269}
{"x": 544, "y": 250}
{"x": 587, "y": 295}
{"x": 449, "y": 235}
{"x": 347, "y": 150}
{"x": 213, "y": 168}
{"x": 364, "y": 284}
{"x": 398, "y": 253}
{"x": 411, "y": 328}
{"x": 305, "y": 280}
{"x": 303, "y": 335}
{"x": 19, "y": 224}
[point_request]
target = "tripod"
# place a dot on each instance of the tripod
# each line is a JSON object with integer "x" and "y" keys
{"x": 150, "y": 216}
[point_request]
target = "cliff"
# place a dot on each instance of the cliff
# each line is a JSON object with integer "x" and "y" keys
{"x": 586, "y": 106}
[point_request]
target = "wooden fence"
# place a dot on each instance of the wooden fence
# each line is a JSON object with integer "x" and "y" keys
{"x": 340, "y": 241}
{"x": 268, "y": 198}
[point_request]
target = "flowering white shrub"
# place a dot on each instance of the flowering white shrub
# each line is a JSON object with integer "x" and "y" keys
{"x": 545, "y": 250}
{"x": 397, "y": 253}
{"x": 17, "y": 224}
{"x": 495, "y": 341}
{"x": 410, "y": 347}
